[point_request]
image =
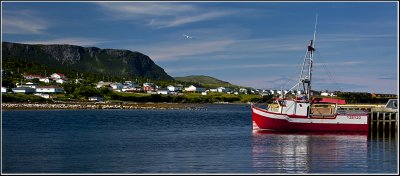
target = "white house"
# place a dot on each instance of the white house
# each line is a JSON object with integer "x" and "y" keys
{"x": 171, "y": 88}
{"x": 101, "y": 84}
{"x": 221, "y": 89}
{"x": 243, "y": 90}
{"x": 174, "y": 88}
{"x": 31, "y": 76}
{"x": 192, "y": 88}
{"x": 44, "y": 79}
{"x": 117, "y": 86}
{"x": 327, "y": 94}
{"x": 163, "y": 91}
{"x": 213, "y": 90}
{"x": 57, "y": 76}
{"x": 49, "y": 89}
{"x": 3, "y": 89}
{"x": 96, "y": 98}
{"x": 29, "y": 84}
{"x": 25, "y": 90}
{"x": 47, "y": 96}
{"x": 60, "y": 81}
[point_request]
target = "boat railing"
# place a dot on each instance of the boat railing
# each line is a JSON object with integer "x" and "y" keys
{"x": 343, "y": 111}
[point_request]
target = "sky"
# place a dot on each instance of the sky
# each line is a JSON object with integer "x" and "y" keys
{"x": 256, "y": 44}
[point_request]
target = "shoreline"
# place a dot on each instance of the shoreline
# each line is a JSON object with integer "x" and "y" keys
{"x": 98, "y": 105}
{"x": 92, "y": 105}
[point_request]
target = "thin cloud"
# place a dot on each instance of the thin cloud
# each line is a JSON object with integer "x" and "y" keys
{"x": 178, "y": 21}
{"x": 160, "y": 14}
{"x": 70, "y": 41}
{"x": 23, "y": 22}
{"x": 182, "y": 50}
{"x": 352, "y": 37}
{"x": 225, "y": 67}
{"x": 179, "y": 50}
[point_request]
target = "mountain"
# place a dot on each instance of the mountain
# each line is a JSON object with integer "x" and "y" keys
{"x": 205, "y": 80}
{"x": 112, "y": 62}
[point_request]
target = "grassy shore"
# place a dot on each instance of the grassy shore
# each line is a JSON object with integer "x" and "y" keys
{"x": 96, "y": 105}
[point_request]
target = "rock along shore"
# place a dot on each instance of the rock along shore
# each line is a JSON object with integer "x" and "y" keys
{"x": 91, "y": 105}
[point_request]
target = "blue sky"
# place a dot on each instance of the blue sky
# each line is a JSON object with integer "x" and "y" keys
{"x": 256, "y": 44}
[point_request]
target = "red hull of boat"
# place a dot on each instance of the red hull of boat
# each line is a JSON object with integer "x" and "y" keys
{"x": 268, "y": 123}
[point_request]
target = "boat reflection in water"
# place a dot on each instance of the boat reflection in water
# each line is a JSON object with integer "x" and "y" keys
{"x": 311, "y": 152}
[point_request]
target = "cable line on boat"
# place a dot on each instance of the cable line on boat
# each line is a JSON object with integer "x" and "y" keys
{"x": 326, "y": 70}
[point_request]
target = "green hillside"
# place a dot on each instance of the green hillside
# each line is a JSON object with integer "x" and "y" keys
{"x": 105, "y": 62}
{"x": 207, "y": 81}
{"x": 201, "y": 79}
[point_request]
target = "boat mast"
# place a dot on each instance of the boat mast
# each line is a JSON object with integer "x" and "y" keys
{"x": 305, "y": 75}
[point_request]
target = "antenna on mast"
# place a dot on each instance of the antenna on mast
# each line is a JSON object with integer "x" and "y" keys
{"x": 306, "y": 71}
{"x": 315, "y": 27}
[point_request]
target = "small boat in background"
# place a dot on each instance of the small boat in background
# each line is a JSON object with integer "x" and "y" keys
{"x": 304, "y": 113}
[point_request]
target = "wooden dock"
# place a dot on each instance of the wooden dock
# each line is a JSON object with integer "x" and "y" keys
{"x": 383, "y": 122}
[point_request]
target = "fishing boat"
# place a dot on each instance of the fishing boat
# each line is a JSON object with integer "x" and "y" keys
{"x": 305, "y": 113}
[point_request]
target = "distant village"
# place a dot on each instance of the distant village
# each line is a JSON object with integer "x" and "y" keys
{"x": 53, "y": 85}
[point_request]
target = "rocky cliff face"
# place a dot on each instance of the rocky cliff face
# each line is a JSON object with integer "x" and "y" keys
{"x": 89, "y": 59}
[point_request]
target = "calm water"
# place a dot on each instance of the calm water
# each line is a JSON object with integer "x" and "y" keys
{"x": 218, "y": 139}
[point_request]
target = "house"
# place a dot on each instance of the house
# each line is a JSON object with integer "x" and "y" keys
{"x": 117, "y": 86}
{"x": 213, "y": 90}
{"x": 324, "y": 94}
{"x": 221, "y": 89}
{"x": 171, "y": 88}
{"x": 192, "y": 88}
{"x": 29, "y": 84}
{"x": 95, "y": 98}
{"x": 57, "y": 76}
{"x": 31, "y": 76}
{"x": 49, "y": 89}
{"x": 130, "y": 84}
{"x": 176, "y": 88}
{"x": 148, "y": 87}
{"x": 47, "y": 96}
{"x": 243, "y": 90}
{"x": 61, "y": 81}
{"x": 102, "y": 84}
{"x": 163, "y": 91}
{"x": 44, "y": 79}
{"x": 3, "y": 89}
{"x": 25, "y": 90}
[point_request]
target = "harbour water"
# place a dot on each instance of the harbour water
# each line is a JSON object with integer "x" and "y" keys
{"x": 217, "y": 139}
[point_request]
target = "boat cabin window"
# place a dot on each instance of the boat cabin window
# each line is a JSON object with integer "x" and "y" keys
{"x": 274, "y": 106}
{"x": 323, "y": 109}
